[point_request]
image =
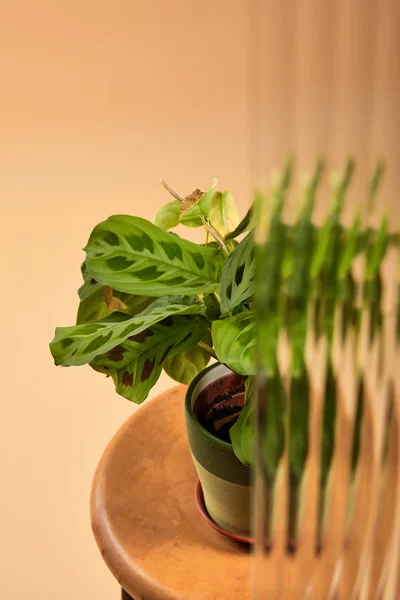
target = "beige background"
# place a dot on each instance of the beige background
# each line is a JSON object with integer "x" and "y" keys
{"x": 98, "y": 100}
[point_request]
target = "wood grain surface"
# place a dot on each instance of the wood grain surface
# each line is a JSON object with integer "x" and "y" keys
{"x": 145, "y": 519}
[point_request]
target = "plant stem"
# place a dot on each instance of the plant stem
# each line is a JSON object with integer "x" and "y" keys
{"x": 230, "y": 246}
{"x": 207, "y": 348}
{"x": 216, "y": 296}
{"x": 171, "y": 191}
{"x": 217, "y": 237}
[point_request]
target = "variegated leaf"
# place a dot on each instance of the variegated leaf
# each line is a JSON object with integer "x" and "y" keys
{"x": 223, "y": 214}
{"x": 89, "y": 286}
{"x": 131, "y": 255}
{"x": 167, "y": 216}
{"x": 80, "y": 344}
{"x": 94, "y": 307}
{"x": 136, "y": 364}
{"x": 237, "y": 282}
{"x": 234, "y": 342}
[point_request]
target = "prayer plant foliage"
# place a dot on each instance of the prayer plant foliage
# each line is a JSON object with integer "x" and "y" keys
{"x": 149, "y": 298}
{"x": 152, "y": 300}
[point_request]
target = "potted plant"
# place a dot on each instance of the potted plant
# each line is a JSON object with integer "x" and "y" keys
{"x": 152, "y": 300}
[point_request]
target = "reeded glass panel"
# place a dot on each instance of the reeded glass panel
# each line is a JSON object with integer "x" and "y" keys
{"x": 325, "y": 132}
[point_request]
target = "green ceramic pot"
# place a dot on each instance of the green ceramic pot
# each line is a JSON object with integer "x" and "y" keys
{"x": 225, "y": 481}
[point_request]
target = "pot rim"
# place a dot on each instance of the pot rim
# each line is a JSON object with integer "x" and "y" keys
{"x": 189, "y": 409}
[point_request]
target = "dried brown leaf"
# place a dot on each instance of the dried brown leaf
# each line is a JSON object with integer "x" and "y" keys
{"x": 112, "y": 302}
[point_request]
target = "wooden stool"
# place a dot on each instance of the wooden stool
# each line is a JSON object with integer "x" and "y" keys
{"x": 145, "y": 519}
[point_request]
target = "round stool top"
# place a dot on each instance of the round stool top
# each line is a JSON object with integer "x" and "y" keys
{"x": 145, "y": 518}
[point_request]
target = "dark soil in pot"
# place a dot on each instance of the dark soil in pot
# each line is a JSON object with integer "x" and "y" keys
{"x": 218, "y": 406}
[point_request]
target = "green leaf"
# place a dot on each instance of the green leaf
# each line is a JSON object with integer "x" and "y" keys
{"x": 372, "y": 289}
{"x": 301, "y": 250}
{"x": 272, "y": 436}
{"x": 136, "y": 364}
{"x": 350, "y": 249}
{"x": 325, "y": 260}
{"x": 357, "y": 426}
{"x": 184, "y": 367}
{"x": 313, "y": 183}
{"x": 268, "y": 330}
{"x": 375, "y": 184}
{"x": 193, "y": 211}
{"x": 242, "y": 433}
{"x": 269, "y": 256}
{"x": 94, "y": 305}
{"x": 237, "y": 281}
{"x": 287, "y": 175}
{"x": 95, "y": 308}
{"x": 297, "y": 323}
{"x": 89, "y": 286}
{"x": 342, "y": 183}
{"x": 168, "y": 215}
{"x": 213, "y": 311}
{"x": 346, "y": 286}
{"x": 326, "y": 251}
{"x": 299, "y": 411}
{"x": 234, "y": 342}
{"x": 328, "y": 428}
{"x": 223, "y": 213}
{"x": 245, "y": 224}
{"x": 377, "y": 250}
{"x": 131, "y": 255}
{"x": 80, "y": 344}
{"x": 303, "y": 241}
